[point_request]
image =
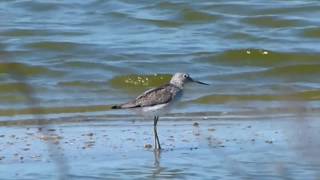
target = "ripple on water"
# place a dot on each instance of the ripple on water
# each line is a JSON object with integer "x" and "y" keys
{"x": 83, "y": 84}
{"x": 260, "y": 57}
{"x": 35, "y": 6}
{"x": 292, "y": 8}
{"x": 273, "y": 22}
{"x": 54, "y": 46}
{"x": 163, "y": 23}
{"x": 105, "y": 70}
{"x": 13, "y": 68}
{"x": 245, "y": 36}
{"x": 312, "y": 32}
{"x": 25, "y": 32}
{"x": 20, "y": 32}
{"x": 177, "y": 14}
{"x": 13, "y": 87}
{"x": 291, "y": 73}
{"x": 196, "y": 16}
{"x": 11, "y": 99}
{"x": 222, "y": 99}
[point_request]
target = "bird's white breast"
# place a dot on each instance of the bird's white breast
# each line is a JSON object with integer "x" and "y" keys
{"x": 155, "y": 110}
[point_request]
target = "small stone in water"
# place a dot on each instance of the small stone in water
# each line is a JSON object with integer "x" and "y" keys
{"x": 147, "y": 146}
{"x": 269, "y": 142}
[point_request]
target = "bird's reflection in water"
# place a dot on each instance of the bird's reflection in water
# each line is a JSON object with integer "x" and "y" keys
{"x": 156, "y": 153}
{"x": 157, "y": 168}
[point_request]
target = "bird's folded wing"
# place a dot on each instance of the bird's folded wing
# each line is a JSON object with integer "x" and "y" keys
{"x": 160, "y": 95}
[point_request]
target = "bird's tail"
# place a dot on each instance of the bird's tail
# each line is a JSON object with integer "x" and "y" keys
{"x": 125, "y": 106}
{"x": 116, "y": 107}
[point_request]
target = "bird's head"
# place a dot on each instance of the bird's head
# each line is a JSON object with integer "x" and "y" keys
{"x": 179, "y": 79}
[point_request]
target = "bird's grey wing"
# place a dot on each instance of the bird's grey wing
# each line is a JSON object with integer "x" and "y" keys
{"x": 161, "y": 95}
{"x": 146, "y": 92}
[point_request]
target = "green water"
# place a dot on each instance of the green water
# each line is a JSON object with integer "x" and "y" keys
{"x": 76, "y": 57}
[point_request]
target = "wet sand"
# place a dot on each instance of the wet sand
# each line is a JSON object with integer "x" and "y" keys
{"x": 200, "y": 148}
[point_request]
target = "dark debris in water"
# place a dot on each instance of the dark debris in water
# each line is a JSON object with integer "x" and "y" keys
{"x": 196, "y": 124}
{"x": 148, "y": 146}
{"x": 269, "y": 141}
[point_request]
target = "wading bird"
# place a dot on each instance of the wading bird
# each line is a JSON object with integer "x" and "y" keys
{"x": 158, "y": 100}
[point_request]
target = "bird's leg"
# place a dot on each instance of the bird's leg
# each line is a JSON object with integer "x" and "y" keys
{"x": 156, "y": 132}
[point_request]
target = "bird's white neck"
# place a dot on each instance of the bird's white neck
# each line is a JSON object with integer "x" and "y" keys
{"x": 178, "y": 84}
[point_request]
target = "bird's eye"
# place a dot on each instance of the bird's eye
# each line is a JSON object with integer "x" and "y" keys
{"x": 185, "y": 75}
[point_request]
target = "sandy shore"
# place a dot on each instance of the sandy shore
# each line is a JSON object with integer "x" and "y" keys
{"x": 275, "y": 148}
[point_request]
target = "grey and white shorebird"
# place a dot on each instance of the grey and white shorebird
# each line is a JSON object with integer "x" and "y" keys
{"x": 158, "y": 100}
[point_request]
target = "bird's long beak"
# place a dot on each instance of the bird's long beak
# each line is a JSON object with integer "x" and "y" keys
{"x": 199, "y": 82}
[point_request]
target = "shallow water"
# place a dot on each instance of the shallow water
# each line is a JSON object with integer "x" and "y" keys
{"x": 80, "y": 57}
{"x": 214, "y": 148}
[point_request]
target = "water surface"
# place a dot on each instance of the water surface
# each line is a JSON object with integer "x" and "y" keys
{"x": 66, "y": 62}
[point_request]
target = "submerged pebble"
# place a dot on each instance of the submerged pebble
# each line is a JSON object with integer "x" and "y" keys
{"x": 147, "y": 146}
{"x": 26, "y": 149}
{"x": 269, "y": 141}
